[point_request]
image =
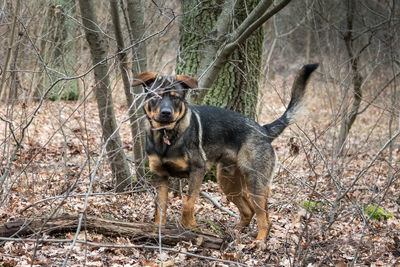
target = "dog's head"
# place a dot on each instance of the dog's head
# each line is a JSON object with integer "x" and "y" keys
{"x": 165, "y": 97}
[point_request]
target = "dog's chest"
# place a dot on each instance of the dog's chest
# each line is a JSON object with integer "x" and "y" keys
{"x": 176, "y": 166}
{"x": 168, "y": 160}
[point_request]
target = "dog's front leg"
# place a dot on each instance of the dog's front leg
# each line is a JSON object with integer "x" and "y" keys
{"x": 195, "y": 180}
{"x": 161, "y": 183}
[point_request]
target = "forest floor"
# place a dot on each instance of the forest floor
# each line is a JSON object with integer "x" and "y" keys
{"x": 63, "y": 144}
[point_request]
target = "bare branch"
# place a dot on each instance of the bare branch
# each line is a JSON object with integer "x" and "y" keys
{"x": 215, "y": 202}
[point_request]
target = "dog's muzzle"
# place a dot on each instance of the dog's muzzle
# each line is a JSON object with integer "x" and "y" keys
{"x": 165, "y": 115}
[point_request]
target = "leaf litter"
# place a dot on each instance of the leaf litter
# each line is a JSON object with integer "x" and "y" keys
{"x": 63, "y": 144}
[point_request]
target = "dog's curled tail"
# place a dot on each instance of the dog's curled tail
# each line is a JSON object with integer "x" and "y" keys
{"x": 275, "y": 128}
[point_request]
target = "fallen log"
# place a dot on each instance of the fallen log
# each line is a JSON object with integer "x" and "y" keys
{"x": 136, "y": 231}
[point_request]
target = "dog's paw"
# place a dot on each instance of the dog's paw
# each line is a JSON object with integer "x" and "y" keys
{"x": 188, "y": 223}
{"x": 257, "y": 245}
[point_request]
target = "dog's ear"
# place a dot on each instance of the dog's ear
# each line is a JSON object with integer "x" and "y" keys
{"x": 144, "y": 78}
{"x": 187, "y": 80}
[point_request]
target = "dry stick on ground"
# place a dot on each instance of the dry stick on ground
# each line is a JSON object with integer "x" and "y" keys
{"x": 135, "y": 231}
{"x": 204, "y": 194}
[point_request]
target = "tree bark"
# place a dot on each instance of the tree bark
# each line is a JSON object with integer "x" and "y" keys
{"x": 357, "y": 79}
{"x": 221, "y": 43}
{"x": 137, "y": 231}
{"x": 116, "y": 155}
{"x": 139, "y": 64}
{"x": 131, "y": 102}
{"x": 3, "y": 91}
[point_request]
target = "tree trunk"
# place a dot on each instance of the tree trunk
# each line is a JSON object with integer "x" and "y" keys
{"x": 131, "y": 102}
{"x": 357, "y": 79}
{"x": 116, "y": 155}
{"x": 15, "y": 81}
{"x": 203, "y": 30}
{"x": 137, "y": 231}
{"x": 309, "y": 32}
{"x": 3, "y": 90}
{"x": 139, "y": 64}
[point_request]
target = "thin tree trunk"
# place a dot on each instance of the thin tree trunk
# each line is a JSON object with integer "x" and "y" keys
{"x": 357, "y": 79}
{"x": 116, "y": 155}
{"x": 15, "y": 81}
{"x": 139, "y": 64}
{"x": 309, "y": 26}
{"x": 132, "y": 107}
{"x": 391, "y": 121}
{"x": 3, "y": 90}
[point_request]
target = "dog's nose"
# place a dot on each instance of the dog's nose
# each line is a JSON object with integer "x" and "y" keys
{"x": 166, "y": 111}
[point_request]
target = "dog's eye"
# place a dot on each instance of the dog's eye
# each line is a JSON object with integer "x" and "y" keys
{"x": 174, "y": 95}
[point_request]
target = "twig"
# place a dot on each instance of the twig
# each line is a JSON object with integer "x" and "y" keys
{"x": 204, "y": 194}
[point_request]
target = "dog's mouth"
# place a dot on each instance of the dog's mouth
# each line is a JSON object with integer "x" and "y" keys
{"x": 163, "y": 121}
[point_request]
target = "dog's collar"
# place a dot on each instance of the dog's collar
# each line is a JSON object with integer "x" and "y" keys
{"x": 165, "y": 136}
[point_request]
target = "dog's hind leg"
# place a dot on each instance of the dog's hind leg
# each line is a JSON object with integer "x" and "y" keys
{"x": 257, "y": 161}
{"x": 259, "y": 198}
{"x": 161, "y": 183}
{"x": 232, "y": 183}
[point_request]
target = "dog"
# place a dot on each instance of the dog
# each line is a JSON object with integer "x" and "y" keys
{"x": 184, "y": 141}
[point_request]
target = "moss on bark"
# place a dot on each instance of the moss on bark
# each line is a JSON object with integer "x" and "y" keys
{"x": 236, "y": 87}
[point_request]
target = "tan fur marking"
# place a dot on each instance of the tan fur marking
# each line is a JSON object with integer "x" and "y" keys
{"x": 157, "y": 125}
{"x": 155, "y": 165}
{"x": 203, "y": 154}
{"x": 147, "y": 110}
{"x": 187, "y": 219}
{"x": 233, "y": 184}
{"x": 185, "y": 122}
{"x": 162, "y": 198}
{"x": 180, "y": 164}
{"x": 180, "y": 114}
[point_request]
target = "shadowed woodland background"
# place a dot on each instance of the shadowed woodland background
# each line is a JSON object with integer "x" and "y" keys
{"x": 71, "y": 141}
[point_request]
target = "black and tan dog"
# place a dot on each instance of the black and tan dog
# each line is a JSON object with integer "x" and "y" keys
{"x": 184, "y": 140}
